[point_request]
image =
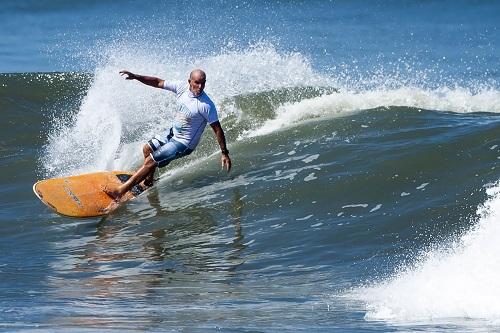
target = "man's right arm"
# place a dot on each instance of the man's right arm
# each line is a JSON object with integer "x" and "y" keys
{"x": 148, "y": 80}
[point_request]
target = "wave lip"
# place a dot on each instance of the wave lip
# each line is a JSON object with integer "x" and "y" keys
{"x": 458, "y": 100}
{"x": 457, "y": 281}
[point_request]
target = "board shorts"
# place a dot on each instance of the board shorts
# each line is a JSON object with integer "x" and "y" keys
{"x": 166, "y": 149}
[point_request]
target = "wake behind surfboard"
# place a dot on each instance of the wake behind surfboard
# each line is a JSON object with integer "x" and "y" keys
{"x": 82, "y": 195}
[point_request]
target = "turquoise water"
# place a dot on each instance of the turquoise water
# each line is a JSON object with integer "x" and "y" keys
{"x": 364, "y": 194}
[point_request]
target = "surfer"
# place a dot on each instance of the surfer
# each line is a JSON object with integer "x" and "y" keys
{"x": 195, "y": 110}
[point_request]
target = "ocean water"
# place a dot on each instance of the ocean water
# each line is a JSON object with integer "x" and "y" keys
{"x": 365, "y": 189}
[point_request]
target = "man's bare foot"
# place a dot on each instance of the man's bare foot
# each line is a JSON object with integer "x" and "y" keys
{"x": 145, "y": 185}
{"x": 113, "y": 193}
{"x": 112, "y": 206}
{"x": 148, "y": 182}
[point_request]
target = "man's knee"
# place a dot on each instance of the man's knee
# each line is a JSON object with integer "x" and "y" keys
{"x": 149, "y": 162}
{"x": 146, "y": 150}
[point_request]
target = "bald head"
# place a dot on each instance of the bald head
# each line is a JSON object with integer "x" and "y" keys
{"x": 197, "y": 74}
{"x": 197, "y": 80}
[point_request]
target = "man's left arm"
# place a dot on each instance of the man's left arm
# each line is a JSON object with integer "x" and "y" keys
{"x": 221, "y": 139}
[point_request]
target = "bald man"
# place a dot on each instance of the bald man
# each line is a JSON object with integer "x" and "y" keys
{"x": 195, "y": 110}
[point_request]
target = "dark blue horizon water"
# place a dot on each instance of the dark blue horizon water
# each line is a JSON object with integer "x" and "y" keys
{"x": 446, "y": 38}
{"x": 364, "y": 195}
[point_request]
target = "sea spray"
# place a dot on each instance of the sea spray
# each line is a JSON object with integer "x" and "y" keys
{"x": 455, "y": 281}
{"x": 116, "y": 116}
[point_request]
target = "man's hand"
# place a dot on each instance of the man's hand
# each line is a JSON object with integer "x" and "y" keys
{"x": 147, "y": 80}
{"x": 225, "y": 162}
{"x": 221, "y": 139}
{"x": 130, "y": 75}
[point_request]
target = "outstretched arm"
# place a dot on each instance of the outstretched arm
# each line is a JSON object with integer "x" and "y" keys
{"x": 148, "y": 80}
{"x": 221, "y": 139}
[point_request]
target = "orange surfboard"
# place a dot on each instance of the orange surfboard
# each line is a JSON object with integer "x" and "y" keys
{"x": 82, "y": 195}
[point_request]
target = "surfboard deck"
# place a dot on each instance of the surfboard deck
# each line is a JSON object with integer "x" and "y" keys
{"x": 82, "y": 195}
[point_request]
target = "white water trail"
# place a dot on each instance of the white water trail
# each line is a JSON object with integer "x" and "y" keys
{"x": 458, "y": 281}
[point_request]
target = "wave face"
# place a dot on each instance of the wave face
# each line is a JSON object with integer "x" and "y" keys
{"x": 371, "y": 192}
{"x": 364, "y": 194}
{"x": 114, "y": 117}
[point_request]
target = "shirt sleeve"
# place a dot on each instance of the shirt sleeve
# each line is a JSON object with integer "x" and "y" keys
{"x": 171, "y": 86}
{"x": 212, "y": 113}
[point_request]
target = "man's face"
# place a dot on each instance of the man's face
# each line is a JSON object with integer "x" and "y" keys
{"x": 197, "y": 83}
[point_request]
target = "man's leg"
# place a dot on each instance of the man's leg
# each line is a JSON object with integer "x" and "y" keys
{"x": 147, "y": 151}
{"x": 148, "y": 166}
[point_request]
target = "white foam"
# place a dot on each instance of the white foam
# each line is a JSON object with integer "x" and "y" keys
{"x": 457, "y": 281}
{"x": 310, "y": 158}
{"x": 355, "y": 206}
{"x": 310, "y": 177}
{"x": 422, "y": 186}
{"x": 347, "y": 102}
{"x": 304, "y": 218}
{"x": 377, "y": 207}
